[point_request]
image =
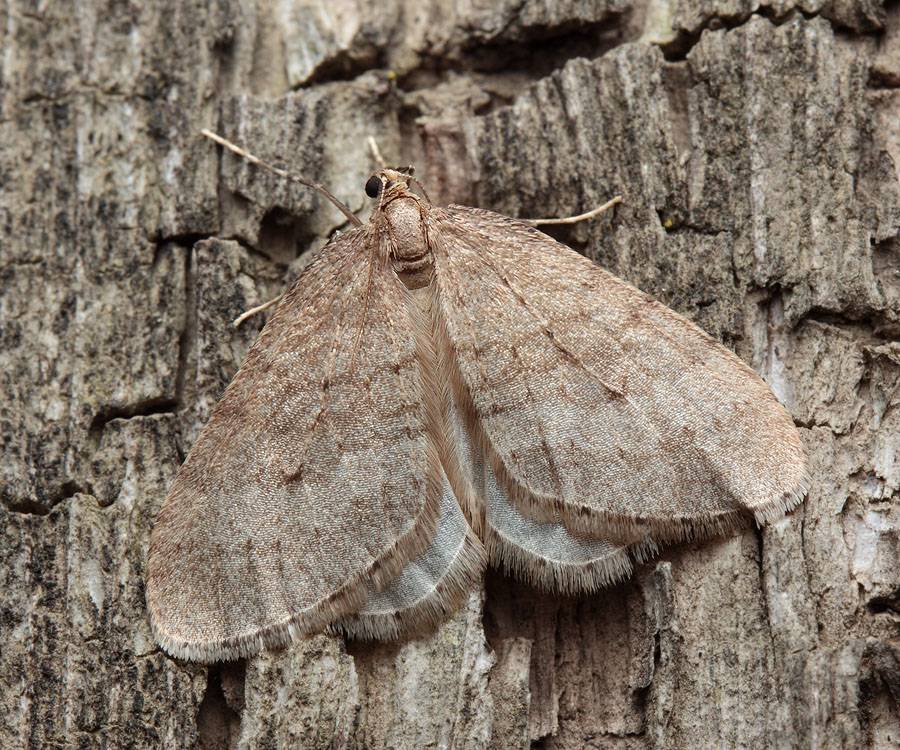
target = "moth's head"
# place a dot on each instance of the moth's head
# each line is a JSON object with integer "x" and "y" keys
{"x": 390, "y": 182}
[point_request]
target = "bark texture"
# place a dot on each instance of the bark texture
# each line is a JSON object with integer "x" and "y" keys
{"x": 757, "y": 147}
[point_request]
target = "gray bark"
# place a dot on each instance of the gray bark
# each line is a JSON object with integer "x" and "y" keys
{"x": 757, "y": 147}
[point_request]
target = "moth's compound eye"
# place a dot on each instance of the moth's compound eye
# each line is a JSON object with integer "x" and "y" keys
{"x": 373, "y": 186}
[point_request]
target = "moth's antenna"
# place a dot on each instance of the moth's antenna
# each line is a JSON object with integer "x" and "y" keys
{"x": 376, "y": 153}
{"x": 282, "y": 173}
{"x": 575, "y": 219}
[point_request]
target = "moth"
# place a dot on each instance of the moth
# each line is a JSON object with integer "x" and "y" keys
{"x": 442, "y": 389}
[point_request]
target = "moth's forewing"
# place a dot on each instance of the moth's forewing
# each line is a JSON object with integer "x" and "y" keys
{"x": 599, "y": 403}
{"x": 315, "y": 476}
{"x": 542, "y": 552}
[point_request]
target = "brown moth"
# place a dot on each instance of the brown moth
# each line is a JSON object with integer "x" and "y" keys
{"x": 440, "y": 389}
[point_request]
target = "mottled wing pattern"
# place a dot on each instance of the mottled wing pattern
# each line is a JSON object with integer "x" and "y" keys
{"x": 323, "y": 433}
{"x": 598, "y": 404}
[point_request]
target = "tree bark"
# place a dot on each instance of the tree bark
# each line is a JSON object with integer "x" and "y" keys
{"x": 757, "y": 148}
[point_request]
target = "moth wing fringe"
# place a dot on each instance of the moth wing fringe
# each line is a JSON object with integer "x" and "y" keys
{"x": 777, "y": 508}
{"x": 643, "y": 551}
{"x": 570, "y": 579}
{"x": 448, "y": 595}
{"x": 587, "y": 521}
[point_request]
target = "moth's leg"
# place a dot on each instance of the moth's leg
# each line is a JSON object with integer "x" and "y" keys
{"x": 283, "y": 173}
{"x": 253, "y": 159}
{"x": 575, "y": 219}
{"x": 254, "y": 310}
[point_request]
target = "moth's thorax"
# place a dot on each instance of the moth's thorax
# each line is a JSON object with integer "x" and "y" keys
{"x": 410, "y": 255}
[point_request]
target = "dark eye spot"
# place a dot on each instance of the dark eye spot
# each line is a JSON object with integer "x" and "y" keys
{"x": 373, "y": 186}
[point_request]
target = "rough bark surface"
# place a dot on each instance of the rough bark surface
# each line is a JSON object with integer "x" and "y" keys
{"x": 757, "y": 147}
